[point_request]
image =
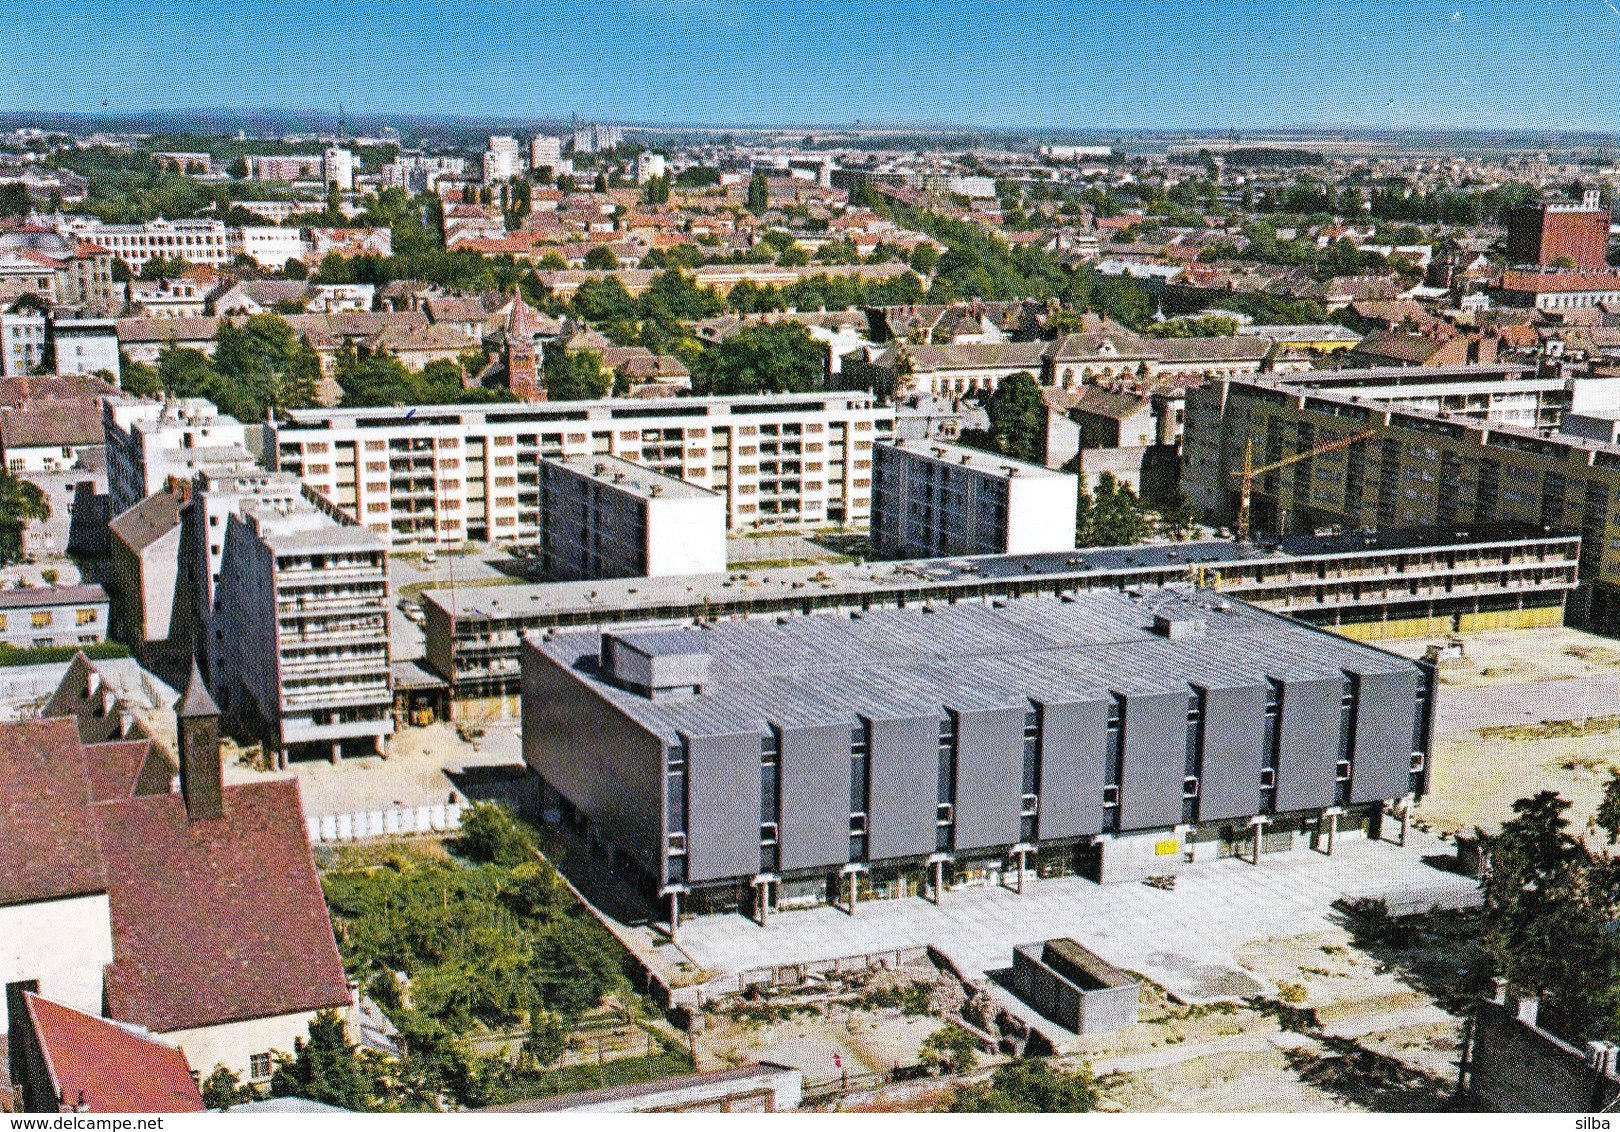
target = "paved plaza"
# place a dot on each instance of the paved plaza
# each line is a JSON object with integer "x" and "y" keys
{"x": 1183, "y": 938}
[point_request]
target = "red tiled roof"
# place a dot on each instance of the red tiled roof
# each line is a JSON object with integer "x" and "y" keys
{"x": 112, "y": 1069}
{"x": 46, "y": 850}
{"x": 1562, "y": 281}
{"x": 216, "y": 920}
{"x": 115, "y": 768}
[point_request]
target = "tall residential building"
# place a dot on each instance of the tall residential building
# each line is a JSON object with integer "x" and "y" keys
{"x": 603, "y": 517}
{"x": 438, "y": 475}
{"x": 501, "y": 160}
{"x": 931, "y": 499}
{"x": 545, "y": 152}
{"x": 337, "y": 168}
{"x": 648, "y": 166}
{"x": 300, "y": 631}
{"x": 1408, "y": 466}
{"x": 1549, "y": 231}
{"x": 152, "y": 442}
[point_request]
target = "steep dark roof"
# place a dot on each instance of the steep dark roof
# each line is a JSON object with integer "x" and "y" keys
{"x": 53, "y": 422}
{"x": 46, "y": 851}
{"x": 105, "y": 1067}
{"x": 196, "y": 702}
{"x": 216, "y": 921}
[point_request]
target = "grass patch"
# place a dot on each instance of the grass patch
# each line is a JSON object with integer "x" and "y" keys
{"x": 1552, "y": 729}
{"x": 668, "y": 1062}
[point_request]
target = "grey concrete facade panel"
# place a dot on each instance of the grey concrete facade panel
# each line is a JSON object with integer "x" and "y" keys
{"x": 1385, "y": 707}
{"x": 618, "y": 778}
{"x": 1074, "y": 770}
{"x": 722, "y": 819}
{"x": 1310, "y": 743}
{"x": 1234, "y": 752}
{"x": 904, "y": 779}
{"x": 1155, "y": 758}
{"x": 815, "y": 796}
{"x": 989, "y": 772}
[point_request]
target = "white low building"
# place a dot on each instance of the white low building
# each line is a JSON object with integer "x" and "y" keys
{"x": 270, "y": 246}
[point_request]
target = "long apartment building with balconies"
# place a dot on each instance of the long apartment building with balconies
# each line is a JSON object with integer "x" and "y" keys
{"x": 300, "y": 630}
{"x": 441, "y": 475}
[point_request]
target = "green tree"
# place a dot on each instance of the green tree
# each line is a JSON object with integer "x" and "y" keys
{"x": 601, "y": 258}
{"x": 575, "y": 375}
{"x": 238, "y": 169}
{"x": 759, "y": 193}
{"x": 162, "y": 267}
{"x": 656, "y": 190}
{"x": 924, "y": 258}
{"x": 1018, "y": 418}
{"x": 326, "y": 1068}
{"x": 1607, "y": 817}
{"x": 294, "y": 269}
{"x": 949, "y": 1049}
{"x": 271, "y": 363}
{"x": 1028, "y": 1085}
{"x": 1178, "y": 518}
{"x": 546, "y": 1040}
{"x": 772, "y": 358}
{"x": 491, "y": 835}
{"x": 138, "y": 378}
{"x": 223, "y": 1089}
{"x": 21, "y": 502}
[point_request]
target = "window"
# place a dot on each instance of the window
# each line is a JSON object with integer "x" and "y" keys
{"x": 1268, "y": 778}
{"x": 259, "y": 1066}
{"x": 1189, "y": 787}
{"x": 41, "y": 618}
{"x": 945, "y": 834}
{"x": 1417, "y": 762}
{"x": 1110, "y": 797}
{"x": 86, "y": 617}
{"x": 860, "y": 751}
{"x": 1029, "y": 805}
{"x": 1341, "y": 770}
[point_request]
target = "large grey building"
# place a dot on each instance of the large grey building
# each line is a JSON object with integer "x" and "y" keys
{"x": 603, "y": 517}
{"x": 777, "y": 763}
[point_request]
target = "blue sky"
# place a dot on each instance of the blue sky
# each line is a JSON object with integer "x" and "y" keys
{"x": 1025, "y": 63}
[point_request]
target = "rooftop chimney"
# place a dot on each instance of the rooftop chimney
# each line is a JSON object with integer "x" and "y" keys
{"x": 202, "y": 781}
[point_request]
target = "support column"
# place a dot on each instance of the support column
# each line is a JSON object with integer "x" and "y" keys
{"x": 1331, "y": 817}
{"x": 762, "y": 899}
{"x": 854, "y": 891}
{"x": 939, "y": 881}
{"x": 1259, "y": 827}
{"x": 1023, "y": 866}
{"x": 337, "y": 752}
{"x": 674, "y": 915}
{"x": 1406, "y": 818}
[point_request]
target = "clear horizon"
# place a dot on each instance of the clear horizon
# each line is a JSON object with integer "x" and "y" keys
{"x": 1112, "y": 65}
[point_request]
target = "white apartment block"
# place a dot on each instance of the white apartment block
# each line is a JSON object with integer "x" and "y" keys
{"x": 196, "y": 241}
{"x": 603, "y": 517}
{"x": 151, "y": 442}
{"x": 337, "y": 168}
{"x": 439, "y": 475}
{"x": 84, "y": 344}
{"x": 933, "y": 500}
{"x": 22, "y": 341}
{"x": 268, "y": 246}
{"x": 501, "y": 160}
{"x": 545, "y": 152}
{"x": 300, "y": 624}
{"x": 648, "y": 166}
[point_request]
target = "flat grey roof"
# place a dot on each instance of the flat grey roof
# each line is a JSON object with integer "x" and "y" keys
{"x": 830, "y": 668}
{"x": 975, "y": 459}
{"x": 35, "y": 597}
{"x": 742, "y": 584}
{"x": 630, "y": 478}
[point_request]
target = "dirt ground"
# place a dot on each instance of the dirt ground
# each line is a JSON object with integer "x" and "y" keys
{"x": 850, "y": 1023}
{"x": 1519, "y": 712}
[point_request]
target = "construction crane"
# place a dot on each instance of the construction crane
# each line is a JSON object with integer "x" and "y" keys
{"x": 1247, "y": 473}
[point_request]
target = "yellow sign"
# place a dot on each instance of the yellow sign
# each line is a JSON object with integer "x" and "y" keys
{"x": 1166, "y": 848}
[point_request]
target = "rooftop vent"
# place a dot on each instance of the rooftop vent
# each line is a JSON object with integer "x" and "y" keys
{"x": 1176, "y": 626}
